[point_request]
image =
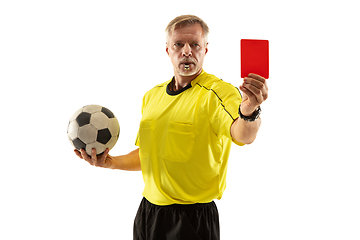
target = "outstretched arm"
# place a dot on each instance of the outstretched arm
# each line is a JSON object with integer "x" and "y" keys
{"x": 255, "y": 92}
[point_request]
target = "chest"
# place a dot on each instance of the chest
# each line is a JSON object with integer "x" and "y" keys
{"x": 189, "y": 107}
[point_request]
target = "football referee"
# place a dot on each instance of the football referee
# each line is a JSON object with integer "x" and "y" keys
{"x": 188, "y": 125}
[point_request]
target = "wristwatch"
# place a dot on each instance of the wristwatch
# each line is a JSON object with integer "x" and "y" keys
{"x": 253, "y": 117}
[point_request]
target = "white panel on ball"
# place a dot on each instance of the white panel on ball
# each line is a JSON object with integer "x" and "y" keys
{"x": 99, "y": 120}
{"x": 92, "y": 108}
{"x": 99, "y": 147}
{"x": 88, "y": 134}
{"x": 73, "y": 130}
{"x": 114, "y": 127}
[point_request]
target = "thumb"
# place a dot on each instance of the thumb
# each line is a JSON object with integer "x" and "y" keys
{"x": 103, "y": 160}
{"x": 243, "y": 94}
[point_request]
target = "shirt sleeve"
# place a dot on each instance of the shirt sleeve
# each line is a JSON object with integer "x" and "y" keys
{"x": 223, "y": 109}
{"x": 137, "y": 141}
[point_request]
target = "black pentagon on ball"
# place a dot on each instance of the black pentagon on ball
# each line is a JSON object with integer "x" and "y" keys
{"x": 107, "y": 112}
{"x": 103, "y": 136}
{"x": 79, "y": 144}
{"x": 83, "y": 118}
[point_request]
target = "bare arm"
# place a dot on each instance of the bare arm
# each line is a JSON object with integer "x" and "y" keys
{"x": 129, "y": 162}
{"x": 255, "y": 92}
{"x": 245, "y": 132}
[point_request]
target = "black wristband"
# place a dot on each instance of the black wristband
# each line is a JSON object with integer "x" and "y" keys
{"x": 251, "y": 118}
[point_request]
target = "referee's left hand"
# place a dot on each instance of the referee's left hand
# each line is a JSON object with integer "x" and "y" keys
{"x": 255, "y": 92}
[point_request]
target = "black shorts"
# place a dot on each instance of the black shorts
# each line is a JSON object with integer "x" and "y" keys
{"x": 177, "y": 222}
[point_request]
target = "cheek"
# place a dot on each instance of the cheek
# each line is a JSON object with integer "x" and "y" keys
{"x": 174, "y": 59}
{"x": 200, "y": 57}
{"x": 174, "y": 56}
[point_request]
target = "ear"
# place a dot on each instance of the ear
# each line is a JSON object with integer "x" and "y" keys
{"x": 206, "y": 48}
{"x": 167, "y": 49}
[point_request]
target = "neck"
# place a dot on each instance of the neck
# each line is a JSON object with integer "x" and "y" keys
{"x": 183, "y": 81}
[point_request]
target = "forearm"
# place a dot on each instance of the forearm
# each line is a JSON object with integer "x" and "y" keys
{"x": 245, "y": 132}
{"x": 128, "y": 162}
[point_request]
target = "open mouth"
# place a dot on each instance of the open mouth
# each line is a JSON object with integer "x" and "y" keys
{"x": 187, "y": 65}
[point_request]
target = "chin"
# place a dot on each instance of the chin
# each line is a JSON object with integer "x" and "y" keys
{"x": 187, "y": 73}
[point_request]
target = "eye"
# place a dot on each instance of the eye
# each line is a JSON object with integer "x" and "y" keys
{"x": 177, "y": 44}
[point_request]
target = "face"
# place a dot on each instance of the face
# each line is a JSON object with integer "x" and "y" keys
{"x": 186, "y": 48}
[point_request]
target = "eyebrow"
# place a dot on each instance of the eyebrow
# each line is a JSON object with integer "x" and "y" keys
{"x": 191, "y": 42}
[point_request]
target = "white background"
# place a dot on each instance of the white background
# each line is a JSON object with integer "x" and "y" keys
{"x": 299, "y": 180}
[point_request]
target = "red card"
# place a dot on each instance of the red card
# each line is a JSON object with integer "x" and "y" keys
{"x": 254, "y": 57}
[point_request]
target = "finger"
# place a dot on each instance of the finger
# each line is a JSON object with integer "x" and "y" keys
{"x": 102, "y": 160}
{"x": 94, "y": 157}
{"x": 251, "y": 97}
{"x": 266, "y": 92}
{"x": 85, "y": 156}
{"x": 257, "y": 77}
{"x": 257, "y": 83}
{"x": 78, "y": 153}
{"x": 244, "y": 96}
{"x": 255, "y": 93}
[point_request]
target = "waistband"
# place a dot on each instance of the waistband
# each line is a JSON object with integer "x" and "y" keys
{"x": 181, "y": 206}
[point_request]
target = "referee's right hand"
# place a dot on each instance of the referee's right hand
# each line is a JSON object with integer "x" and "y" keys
{"x": 104, "y": 160}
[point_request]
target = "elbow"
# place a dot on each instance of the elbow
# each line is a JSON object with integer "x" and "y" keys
{"x": 248, "y": 141}
{"x": 244, "y": 141}
{"x": 245, "y": 132}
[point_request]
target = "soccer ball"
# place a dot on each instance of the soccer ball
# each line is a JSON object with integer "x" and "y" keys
{"x": 93, "y": 126}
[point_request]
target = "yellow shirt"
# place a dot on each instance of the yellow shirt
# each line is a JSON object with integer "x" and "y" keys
{"x": 184, "y": 140}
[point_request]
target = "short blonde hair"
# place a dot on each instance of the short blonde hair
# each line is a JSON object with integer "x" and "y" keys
{"x": 185, "y": 20}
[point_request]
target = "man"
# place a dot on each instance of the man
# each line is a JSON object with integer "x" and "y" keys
{"x": 187, "y": 127}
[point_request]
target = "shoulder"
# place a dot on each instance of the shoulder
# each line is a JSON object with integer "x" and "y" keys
{"x": 217, "y": 86}
{"x": 156, "y": 89}
{"x": 159, "y": 86}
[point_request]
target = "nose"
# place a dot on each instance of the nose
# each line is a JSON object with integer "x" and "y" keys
{"x": 186, "y": 51}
